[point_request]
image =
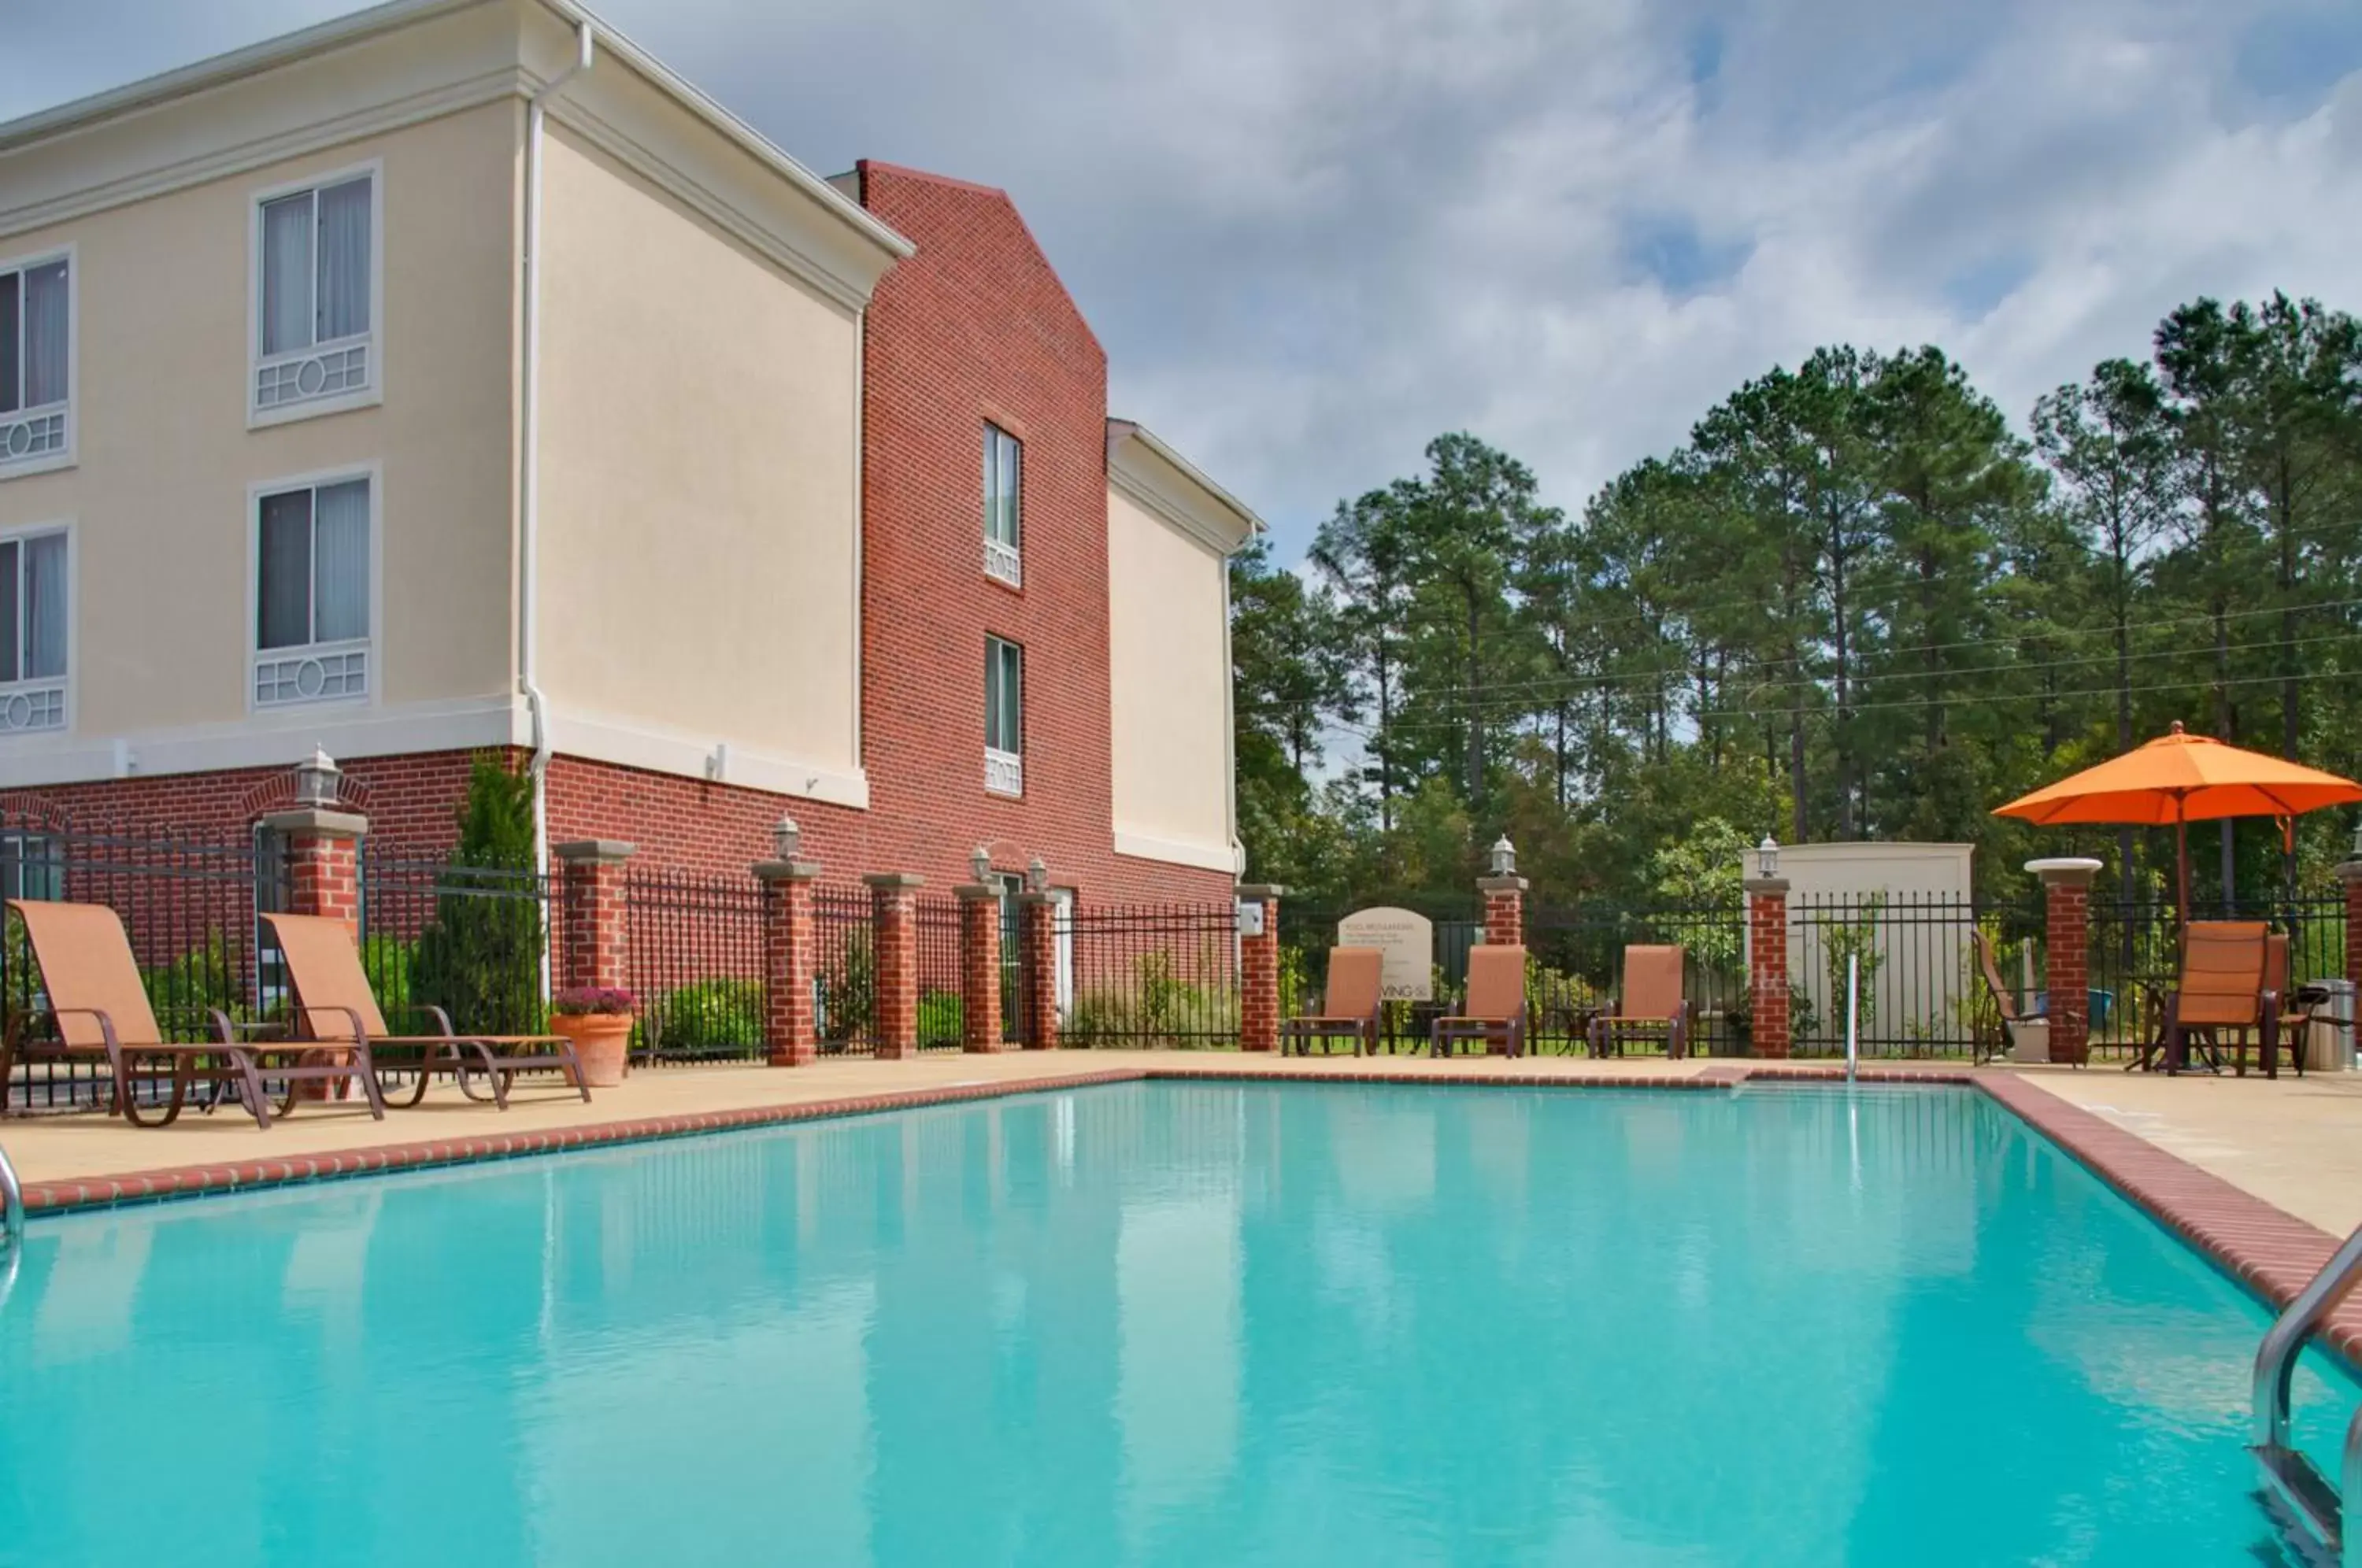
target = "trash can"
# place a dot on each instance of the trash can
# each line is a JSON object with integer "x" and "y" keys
{"x": 2329, "y": 1037}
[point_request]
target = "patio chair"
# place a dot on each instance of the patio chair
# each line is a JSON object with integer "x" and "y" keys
{"x": 1495, "y": 1010}
{"x": 1990, "y": 1044}
{"x": 100, "y": 1005}
{"x": 2284, "y": 1018}
{"x": 1349, "y": 1008}
{"x": 2220, "y": 990}
{"x": 1648, "y": 1004}
{"x": 336, "y": 1007}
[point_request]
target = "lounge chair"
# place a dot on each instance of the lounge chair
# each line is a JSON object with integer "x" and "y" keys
{"x": 336, "y": 1006}
{"x": 2283, "y": 1020}
{"x": 1349, "y": 1007}
{"x": 1990, "y": 1044}
{"x": 1495, "y": 1011}
{"x": 102, "y": 1011}
{"x": 1650, "y": 1004}
{"x": 2220, "y": 990}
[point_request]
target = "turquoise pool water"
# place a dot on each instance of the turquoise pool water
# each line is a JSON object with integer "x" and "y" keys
{"x": 1159, "y": 1324}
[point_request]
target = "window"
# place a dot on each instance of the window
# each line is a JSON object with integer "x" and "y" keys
{"x": 1003, "y": 464}
{"x": 1004, "y": 717}
{"x": 311, "y": 593}
{"x": 36, "y": 328}
{"x": 33, "y": 591}
{"x": 315, "y": 280}
{"x": 32, "y": 866}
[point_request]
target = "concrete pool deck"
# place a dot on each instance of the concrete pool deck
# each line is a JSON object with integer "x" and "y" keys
{"x": 2262, "y": 1175}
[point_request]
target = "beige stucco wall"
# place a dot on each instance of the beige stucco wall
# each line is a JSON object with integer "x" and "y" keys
{"x": 161, "y": 495}
{"x": 699, "y": 482}
{"x": 1169, "y": 679}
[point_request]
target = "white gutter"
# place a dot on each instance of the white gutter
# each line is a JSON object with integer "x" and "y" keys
{"x": 529, "y": 481}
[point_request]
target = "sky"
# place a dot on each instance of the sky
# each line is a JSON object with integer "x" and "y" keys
{"x": 1312, "y": 235}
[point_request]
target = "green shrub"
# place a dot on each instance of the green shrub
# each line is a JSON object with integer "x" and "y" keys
{"x": 847, "y": 989}
{"x": 210, "y": 975}
{"x": 480, "y": 958}
{"x": 941, "y": 1016}
{"x": 1155, "y": 1007}
{"x": 708, "y": 1018}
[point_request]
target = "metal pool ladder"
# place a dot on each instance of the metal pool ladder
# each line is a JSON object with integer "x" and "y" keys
{"x": 2315, "y": 1502}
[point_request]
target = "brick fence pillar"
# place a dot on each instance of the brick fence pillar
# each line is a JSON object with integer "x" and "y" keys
{"x": 1505, "y": 910}
{"x": 979, "y": 907}
{"x": 789, "y": 949}
{"x": 1037, "y": 956}
{"x": 323, "y": 873}
{"x": 2350, "y": 874}
{"x": 2067, "y": 953}
{"x": 1767, "y": 966}
{"x": 1259, "y": 972}
{"x": 591, "y": 945}
{"x": 894, "y": 949}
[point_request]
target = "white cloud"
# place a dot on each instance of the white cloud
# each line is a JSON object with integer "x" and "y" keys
{"x": 1313, "y": 236}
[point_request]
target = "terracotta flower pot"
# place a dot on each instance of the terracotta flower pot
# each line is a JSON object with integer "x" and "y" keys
{"x": 602, "y": 1040}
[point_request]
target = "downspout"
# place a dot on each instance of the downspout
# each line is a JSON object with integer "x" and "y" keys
{"x": 1230, "y": 731}
{"x": 529, "y": 483}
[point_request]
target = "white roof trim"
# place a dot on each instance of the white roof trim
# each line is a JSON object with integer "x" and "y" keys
{"x": 1188, "y": 510}
{"x": 186, "y": 81}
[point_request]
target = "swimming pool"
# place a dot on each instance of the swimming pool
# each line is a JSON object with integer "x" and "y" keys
{"x": 1160, "y": 1324}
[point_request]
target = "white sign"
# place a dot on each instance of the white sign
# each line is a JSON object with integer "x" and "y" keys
{"x": 1249, "y": 917}
{"x": 1407, "y": 939}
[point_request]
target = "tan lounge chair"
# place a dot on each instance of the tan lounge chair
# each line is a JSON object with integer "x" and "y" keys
{"x": 336, "y": 1007}
{"x": 1650, "y": 1004}
{"x": 1495, "y": 1012}
{"x": 102, "y": 1011}
{"x": 1992, "y": 1044}
{"x": 2221, "y": 990}
{"x": 1349, "y": 1008}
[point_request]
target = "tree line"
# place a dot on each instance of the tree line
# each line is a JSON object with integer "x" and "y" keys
{"x": 1856, "y": 603}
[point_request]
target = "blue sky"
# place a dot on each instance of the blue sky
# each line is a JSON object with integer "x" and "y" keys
{"x": 1314, "y": 236}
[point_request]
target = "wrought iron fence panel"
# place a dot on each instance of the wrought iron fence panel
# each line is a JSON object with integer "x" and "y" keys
{"x": 188, "y": 902}
{"x": 693, "y": 945}
{"x": 1920, "y": 992}
{"x": 936, "y": 923}
{"x": 470, "y": 939}
{"x": 1151, "y": 976}
{"x": 2135, "y": 957}
{"x": 845, "y": 972}
{"x": 1576, "y": 970}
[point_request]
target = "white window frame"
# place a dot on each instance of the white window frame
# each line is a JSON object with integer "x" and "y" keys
{"x": 1004, "y": 559}
{"x": 22, "y": 419}
{"x": 1004, "y": 770}
{"x": 257, "y": 655}
{"x": 372, "y": 343}
{"x": 29, "y": 689}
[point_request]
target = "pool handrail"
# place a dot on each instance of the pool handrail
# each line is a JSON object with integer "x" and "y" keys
{"x": 2288, "y": 1474}
{"x": 12, "y": 1205}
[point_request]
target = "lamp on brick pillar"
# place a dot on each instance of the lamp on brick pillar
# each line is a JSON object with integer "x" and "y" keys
{"x": 591, "y": 947}
{"x": 979, "y": 915}
{"x": 894, "y": 947}
{"x": 1504, "y": 895}
{"x": 1259, "y": 966}
{"x": 789, "y": 1040}
{"x": 322, "y": 846}
{"x": 2350, "y": 874}
{"x": 2067, "y": 952}
{"x": 1767, "y": 950}
{"x": 1037, "y": 960}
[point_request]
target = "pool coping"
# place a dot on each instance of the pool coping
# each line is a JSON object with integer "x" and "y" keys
{"x": 2265, "y": 1250}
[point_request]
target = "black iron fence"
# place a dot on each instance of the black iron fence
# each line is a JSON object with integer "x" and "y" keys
{"x": 844, "y": 974}
{"x": 1151, "y": 976}
{"x": 2136, "y": 952}
{"x": 941, "y": 1007}
{"x": 1918, "y": 992}
{"x": 188, "y": 903}
{"x": 470, "y": 939}
{"x": 693, "y": 947}
{"x": 1576, "y": 971}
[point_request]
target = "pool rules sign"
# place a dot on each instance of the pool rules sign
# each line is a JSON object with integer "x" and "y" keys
{"x": 1407, "y": 972}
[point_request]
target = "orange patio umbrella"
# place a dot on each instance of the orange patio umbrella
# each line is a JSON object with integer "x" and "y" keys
{"x": 2177, "y": 779}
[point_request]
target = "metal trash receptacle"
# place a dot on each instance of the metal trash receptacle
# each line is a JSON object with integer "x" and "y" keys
{"x": 2329, "y": 1037}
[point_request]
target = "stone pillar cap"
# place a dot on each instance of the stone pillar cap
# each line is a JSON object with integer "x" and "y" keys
{"x": 318, "y": 822}
{"x": 2074, "y": 870}
{"x": 599, "y": 850}
{"x": 1503, "y": 884}
{"x": 1261, "y": 892}
{"x": 785, "y": 870}
{"x": 2349, "y": 871}
{"x": 975, "y": 892}
{"x": 1763, "y": 884}
{"x": 891, "y": 880}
